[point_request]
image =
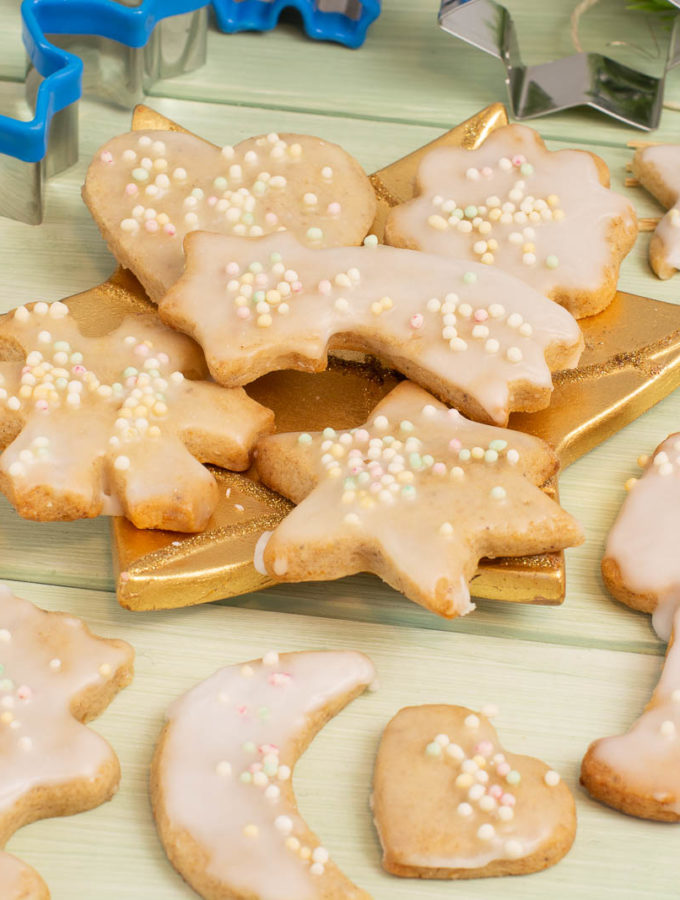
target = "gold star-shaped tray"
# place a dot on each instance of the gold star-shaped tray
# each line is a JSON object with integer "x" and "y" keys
{"x": 631, "y": 361}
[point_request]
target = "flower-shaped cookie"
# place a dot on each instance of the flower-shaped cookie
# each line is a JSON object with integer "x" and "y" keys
{"x": 545, "y": 217}
{"x": 110, "y": 424}
{"x": 417, "y": 495}
{"x": 657, "y": 168}
{"x": 147, "y": 189}
{"x": 481, "y": 340}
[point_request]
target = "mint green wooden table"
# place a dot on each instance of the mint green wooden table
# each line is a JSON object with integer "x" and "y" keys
{"x": 561, "y": 676}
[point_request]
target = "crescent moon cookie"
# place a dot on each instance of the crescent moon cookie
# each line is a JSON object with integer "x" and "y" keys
{"x": 417, "y": 495}
{"x": 658, "y": 171}
{"x": 221, "y": 778}
{"x": 54, "y": 676}
{"x": 147, "y": 189}
{"x": 110, "y": 425}
{"x": 479, "y": 339}
{"x": 639, "y": 772}
{"x": 641, "y": 565}
{"x": 449, "y": 802}
{"x": 545, "y": 217}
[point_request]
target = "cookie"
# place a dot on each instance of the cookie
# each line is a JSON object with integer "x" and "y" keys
{"x": 657, "y": 168}
{"x": 221, "y": 779}
{"x": 19, "y": 882}
{"x": 480, "y": 340}
{"x": 417, "y": 495}
{"x": 450, "y": 802}
{"x": 639, "y": 772}
{"x": 147, "y": 189}
{"x": 55, "y": 675}
{"x": 110, "y": 425}
{"x": 641, "y": 565}
{"x": 545, "y": 217}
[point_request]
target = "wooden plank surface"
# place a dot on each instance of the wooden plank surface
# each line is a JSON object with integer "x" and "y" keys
{"x": 562, "y": 676}
{"x": 552, "y": 705}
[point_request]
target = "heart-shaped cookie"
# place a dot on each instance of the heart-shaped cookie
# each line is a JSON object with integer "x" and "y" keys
{"x": 449, "y": 802}
{"x": 147, "y": 189}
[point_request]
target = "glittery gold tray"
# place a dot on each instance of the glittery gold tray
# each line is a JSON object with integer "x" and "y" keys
{"x": 631, "y": 361}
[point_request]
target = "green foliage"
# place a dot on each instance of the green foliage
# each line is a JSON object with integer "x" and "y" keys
{"x": 659, "y": 7}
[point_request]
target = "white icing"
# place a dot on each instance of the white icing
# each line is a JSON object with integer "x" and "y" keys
{"x": 414, "y": 495}
{"x": 147, "y": 190}
{"x": 460, "y": 329}
{"x": 242, "y": 719}
{"x": 47, "y": 660}
{"x": 647, "y": 757}
{"x": 664, "y": 162}
{"x": 110, "y": 424}
{"x": 547, "y": 212}
{"x": 258, "y": 555}
{"x": 644, "y": 539}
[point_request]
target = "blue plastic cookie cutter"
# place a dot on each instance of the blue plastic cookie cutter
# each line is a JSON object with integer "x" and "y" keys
{"x": 53, "y": 127}
{"x": 343, "y": 21}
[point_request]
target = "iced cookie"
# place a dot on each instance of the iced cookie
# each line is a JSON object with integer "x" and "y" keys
{"x": 657, "y": 168}
{"x": 55, "y": 675}
{"x": 147, "y": 189}
{"x": 479, "y": 339}
{"x": 545, "y": 217}
{"x": 417, "y": 495}
{"x": 94, "y": 425}
{"x": 639, "y": 772}
{"x": 641, "y": 565}
{"x": 450, "y": 802}
{"x": 221, "y": 779}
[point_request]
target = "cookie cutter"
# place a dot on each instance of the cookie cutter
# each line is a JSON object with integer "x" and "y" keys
{"x": 582, "y": 79}
{"x": 32, "y": 150}
{"x": 343, "y": 21}
{"x": 126, "y": 46}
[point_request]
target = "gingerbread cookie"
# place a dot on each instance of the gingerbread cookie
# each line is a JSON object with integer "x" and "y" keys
{"x": 221, "y": 779}
{"x": 639, "y": 772}
{"x": 110, "y": 425}
{"x": 641, "y": 565}
{"x": 54, "y": 676}
{"x": 545, "y": 217}
{"x": 480, "y": 340}
{"x": 417, "y": 495}
{"x": 450, "y": 802}
{"x": 658, "y": 170}
{"x": 147, "y": 189}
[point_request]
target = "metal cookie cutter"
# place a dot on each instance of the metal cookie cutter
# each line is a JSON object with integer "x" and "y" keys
{"x": 344, "y": 21}
{"x": 583, "y": 79}
{"x": 47, "y": 143}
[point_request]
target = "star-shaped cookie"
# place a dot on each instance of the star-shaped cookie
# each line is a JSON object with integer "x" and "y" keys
{"x": 481, "y": 340}
{"x": 147, "y": 189}
{"x": 109, "y": 424}
{"x": 545, "y": 217}
{"x": 55, "y": 675}
{"x": 417, "y": 495}
{"x": 657, "y": 168}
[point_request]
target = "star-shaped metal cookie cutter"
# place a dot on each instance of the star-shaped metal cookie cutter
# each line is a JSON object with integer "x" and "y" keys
{"x": 582, "y": 79}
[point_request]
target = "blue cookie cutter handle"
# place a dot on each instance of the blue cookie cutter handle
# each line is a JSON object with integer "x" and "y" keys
{"x": 263, "y": 15}
{"x": 62, "y": 71}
